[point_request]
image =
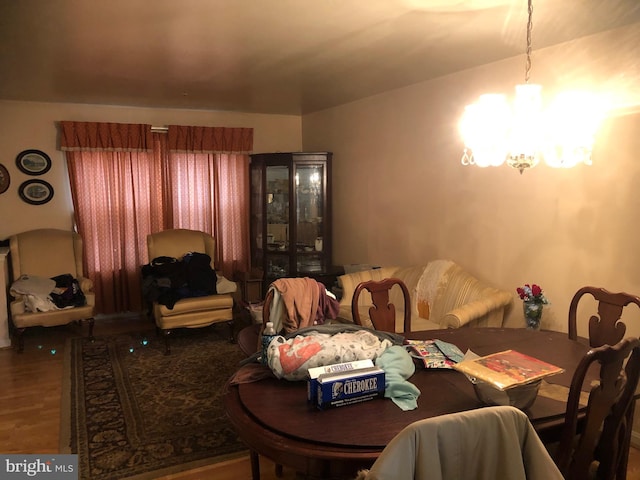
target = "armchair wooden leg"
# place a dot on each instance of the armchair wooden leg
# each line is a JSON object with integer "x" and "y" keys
{"x": 167, "y": 347}
{"x": 231, "y": 325}
{"x": 149, "y": 313}
{"x": 91, "y": 324}
{"x": 19, "y": 335}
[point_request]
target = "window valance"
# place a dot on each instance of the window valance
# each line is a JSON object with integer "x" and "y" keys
{"x": 96, "y": 136}
{"x": 183, "y": 139}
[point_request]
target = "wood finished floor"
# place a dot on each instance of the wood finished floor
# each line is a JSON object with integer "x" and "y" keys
{"x": 31, "y": 391}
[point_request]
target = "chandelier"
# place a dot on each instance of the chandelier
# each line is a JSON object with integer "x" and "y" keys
{"x": 523, "y": 133}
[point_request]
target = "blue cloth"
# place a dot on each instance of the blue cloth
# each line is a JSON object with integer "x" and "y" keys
{"x": 398, "y": 366}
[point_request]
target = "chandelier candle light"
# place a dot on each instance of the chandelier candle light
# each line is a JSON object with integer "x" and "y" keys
{"x": 522, "y": 134}
{"x": 533, "y": 301}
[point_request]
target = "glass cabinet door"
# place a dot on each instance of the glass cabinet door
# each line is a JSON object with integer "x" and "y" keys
{"x": 278, "y": 235}
{"x": 309, "y": 201}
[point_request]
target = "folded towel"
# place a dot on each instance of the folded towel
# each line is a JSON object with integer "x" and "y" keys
{"x": 398, "y": 366}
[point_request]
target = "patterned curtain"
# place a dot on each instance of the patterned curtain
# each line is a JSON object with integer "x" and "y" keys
{"x": 125, "y": 184}
{"x": 209, "y": 175}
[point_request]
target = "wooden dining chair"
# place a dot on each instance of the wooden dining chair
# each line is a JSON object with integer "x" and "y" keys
{"x": 605, "y": 328}
{"x": 497, "y": 442}
{"x": 597, "y": 445}
{"x": 382, "y": 313}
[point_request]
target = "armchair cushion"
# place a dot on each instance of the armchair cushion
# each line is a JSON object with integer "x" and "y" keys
{"x": 443, "y": 295}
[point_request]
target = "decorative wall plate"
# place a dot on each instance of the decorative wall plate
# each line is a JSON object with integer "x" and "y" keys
{"x": 35, "y": 192}
{"x": 5, "y": 179}
{"x": 33, "y": 162}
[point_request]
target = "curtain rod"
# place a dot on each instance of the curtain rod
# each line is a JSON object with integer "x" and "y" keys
{"x": 159, "y": 129}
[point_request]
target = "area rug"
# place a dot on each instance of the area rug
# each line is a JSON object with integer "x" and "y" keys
{"x": 129, "y": 411}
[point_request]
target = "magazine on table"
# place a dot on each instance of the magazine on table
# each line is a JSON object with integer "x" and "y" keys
{"x": 435, "y": 353}
{"x": 506, "y": 369}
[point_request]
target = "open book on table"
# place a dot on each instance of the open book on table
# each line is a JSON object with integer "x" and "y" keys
{"x": 507, "y": 369}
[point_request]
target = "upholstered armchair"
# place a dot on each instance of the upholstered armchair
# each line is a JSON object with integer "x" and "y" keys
{"x": 48, "y": 253}
{"x": 197, "y": 311}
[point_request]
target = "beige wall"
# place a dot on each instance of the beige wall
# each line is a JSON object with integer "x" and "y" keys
{"x": 402, "y": 197}
{"x": 25, "y": 125}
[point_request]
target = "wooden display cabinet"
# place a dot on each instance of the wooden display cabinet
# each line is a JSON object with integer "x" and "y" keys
{"x": 290, "y": 217}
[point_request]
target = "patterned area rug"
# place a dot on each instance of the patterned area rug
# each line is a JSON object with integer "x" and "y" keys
{"x": 134, "y": 412}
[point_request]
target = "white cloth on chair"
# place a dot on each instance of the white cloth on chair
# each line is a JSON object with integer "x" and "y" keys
{"x": 484, "y": 444}
{"x": 35, "y": 291}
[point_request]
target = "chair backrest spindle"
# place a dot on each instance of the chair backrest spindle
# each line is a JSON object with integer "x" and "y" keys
{"x": 382, "y": 313}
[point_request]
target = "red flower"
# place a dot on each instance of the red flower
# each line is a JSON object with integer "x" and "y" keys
{"x": 532, "y": 293}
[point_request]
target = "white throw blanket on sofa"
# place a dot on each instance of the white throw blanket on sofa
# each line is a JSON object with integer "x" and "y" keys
{"x": 427, "y": 288}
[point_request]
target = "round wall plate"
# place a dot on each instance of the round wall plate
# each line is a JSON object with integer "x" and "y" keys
{"x": 33, "y": 162}
{"x": 5, "y": 179}
{"x": 35, "y": 192}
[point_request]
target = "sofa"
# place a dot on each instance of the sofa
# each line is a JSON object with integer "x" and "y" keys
{"x": 443, "y": 295}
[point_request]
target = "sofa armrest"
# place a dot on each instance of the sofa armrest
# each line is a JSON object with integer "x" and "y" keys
{"x": 485, "y": 312}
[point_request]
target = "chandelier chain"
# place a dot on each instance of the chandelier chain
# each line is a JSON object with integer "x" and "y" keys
{"x": 529, "y": 28}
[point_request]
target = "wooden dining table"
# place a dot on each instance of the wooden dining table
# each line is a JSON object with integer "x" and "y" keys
{"x": 273, "y": 418}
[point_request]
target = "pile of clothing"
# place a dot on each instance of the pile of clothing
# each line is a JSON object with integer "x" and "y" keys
{"x": 41, "y": 294}
{"x": 299, "y": 303}
{"x": 167, "y": 279}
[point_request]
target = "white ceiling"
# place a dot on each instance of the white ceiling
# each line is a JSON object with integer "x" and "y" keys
{"x": 270, "y": 56}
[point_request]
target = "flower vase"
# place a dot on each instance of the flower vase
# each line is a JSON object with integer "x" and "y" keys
{"x": 532, "y": 314}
